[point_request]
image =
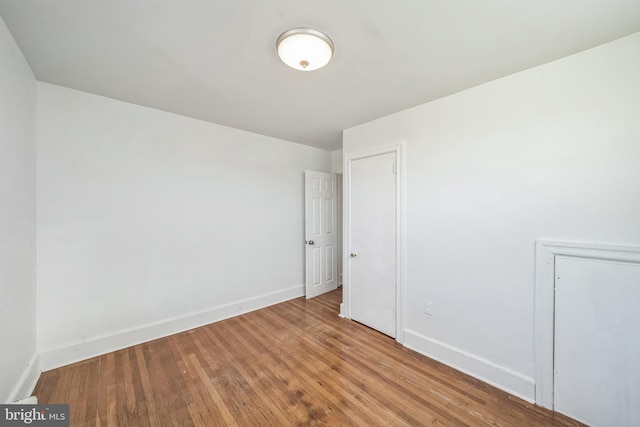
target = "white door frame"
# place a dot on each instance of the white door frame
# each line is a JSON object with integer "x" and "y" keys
{"x": 345, "y": 307}
{"x": 546, "y": 251}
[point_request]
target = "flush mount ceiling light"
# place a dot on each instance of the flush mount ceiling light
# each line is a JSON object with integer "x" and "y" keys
{"x": 304, "y": 49}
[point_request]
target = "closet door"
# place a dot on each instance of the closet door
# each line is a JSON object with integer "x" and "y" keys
{"x": 597, "y": 344}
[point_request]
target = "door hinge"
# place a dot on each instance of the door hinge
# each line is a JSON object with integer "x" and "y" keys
{"x": 395, "y": 171}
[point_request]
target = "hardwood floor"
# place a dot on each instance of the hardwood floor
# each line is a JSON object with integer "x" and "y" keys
{"x": 295, "y": 363}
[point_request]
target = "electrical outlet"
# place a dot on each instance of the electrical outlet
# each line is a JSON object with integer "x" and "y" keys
{"x": 428, "y": 308}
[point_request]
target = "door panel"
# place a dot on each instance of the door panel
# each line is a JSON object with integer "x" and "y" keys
{"x": 373, "y": 241}
{"x": 596, "y": 369}
{"x": 320, "y": 228}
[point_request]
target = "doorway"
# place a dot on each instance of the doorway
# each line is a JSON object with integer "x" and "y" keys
{"x": 372, "y": 246}
{"x": 321, "y": 233}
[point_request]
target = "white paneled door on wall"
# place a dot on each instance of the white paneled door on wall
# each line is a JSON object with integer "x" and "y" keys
{"x": 597, "y": 344}
{"x": 321, "y": 233}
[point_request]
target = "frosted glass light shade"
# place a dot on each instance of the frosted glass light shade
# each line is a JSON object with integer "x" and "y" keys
{"x": 304, "y": 49}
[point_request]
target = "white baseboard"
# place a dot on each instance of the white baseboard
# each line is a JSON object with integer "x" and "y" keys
{"x": 343, "y": 312}
{"x": 498, "y": 376}
{"x": 27, "y": 381}
{"x": 31, "y": 400}
{"x": 54, "y": 358}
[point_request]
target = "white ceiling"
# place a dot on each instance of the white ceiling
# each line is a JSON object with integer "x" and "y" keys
{"x": 215, "y": 60}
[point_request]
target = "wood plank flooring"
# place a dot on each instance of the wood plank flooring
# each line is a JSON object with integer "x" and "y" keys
{"x": 292, "y": 364}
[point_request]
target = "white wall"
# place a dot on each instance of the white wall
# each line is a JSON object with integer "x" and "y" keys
{"x": 18, "y": 364}
{"x": 336, "y": 167}
{"x": 150, "y": 222}
{"x": 336, "y": 161}
{"x": 552, "y": 152}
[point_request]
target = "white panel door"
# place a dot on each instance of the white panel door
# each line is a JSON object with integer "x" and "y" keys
{"x": 372, "y": 246}
{"x": 321, "y": 212}
{"x": 597, "y": 341}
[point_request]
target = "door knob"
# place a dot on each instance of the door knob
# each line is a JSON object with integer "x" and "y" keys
{"x": 353, "y": 254}
{"x": 310, "y": 242}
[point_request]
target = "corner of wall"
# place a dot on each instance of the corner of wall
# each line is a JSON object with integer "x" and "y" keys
{"x": 336, "y": 161}
{"x": 28, "y": 380}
